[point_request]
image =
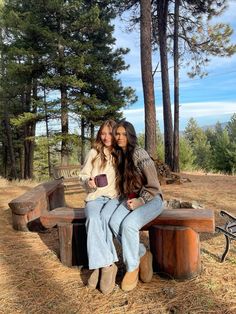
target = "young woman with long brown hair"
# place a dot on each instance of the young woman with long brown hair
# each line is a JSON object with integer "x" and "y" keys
{"x": 100, "y": 204}
{"x": 142, "y": 201}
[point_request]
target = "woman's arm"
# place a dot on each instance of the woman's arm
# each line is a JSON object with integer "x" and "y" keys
{"x": 146, "y": 166}
{"x": 85, "y": 175}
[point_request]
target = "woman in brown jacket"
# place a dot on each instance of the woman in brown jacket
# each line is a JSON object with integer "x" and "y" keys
{"x": 142, "y": 201}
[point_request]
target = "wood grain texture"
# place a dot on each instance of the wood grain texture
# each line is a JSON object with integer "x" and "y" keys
{"x": 176, "y": 251}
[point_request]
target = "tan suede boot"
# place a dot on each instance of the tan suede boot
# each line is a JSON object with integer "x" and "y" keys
{"x": 93, "y": 279}
{"x": 130, "y": 280}
{"x": 108, "y": 279}
{"x": 146, "y": 271}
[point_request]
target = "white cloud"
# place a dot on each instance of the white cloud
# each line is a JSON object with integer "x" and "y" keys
{"x": 188, "y": 110}
{"x": 205, "y": 111}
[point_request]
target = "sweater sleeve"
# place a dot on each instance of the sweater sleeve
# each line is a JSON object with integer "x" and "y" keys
{"x": 146, "y": 166}
{"x": 86, "y": 171}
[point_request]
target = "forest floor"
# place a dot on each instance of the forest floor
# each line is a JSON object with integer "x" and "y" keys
{"x": 33, "y": 280}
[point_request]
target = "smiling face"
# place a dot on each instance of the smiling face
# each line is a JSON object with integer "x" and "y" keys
{"x": 121, "y": 137}
{"x": 106, "y": 136}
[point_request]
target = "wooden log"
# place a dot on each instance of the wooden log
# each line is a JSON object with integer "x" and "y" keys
{"x": 200, "y": 220}
{"x": 65, "y": 232}
{"x": 19, "y": 222}
{"x": 62, "y": 214}
{"x": 40, "y": 199}
{"x": 176, "y": 251}
{"x": 73, "y": 244}
{"x": 37, "y": 195}
{"x": 57, "y": 197}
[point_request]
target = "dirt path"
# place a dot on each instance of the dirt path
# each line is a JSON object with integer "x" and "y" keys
{"x": 32, "y": 279}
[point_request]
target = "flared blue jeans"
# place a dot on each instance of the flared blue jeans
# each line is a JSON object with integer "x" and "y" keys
{"x": 126, "y": 224}
{"x": 100, "y": 246}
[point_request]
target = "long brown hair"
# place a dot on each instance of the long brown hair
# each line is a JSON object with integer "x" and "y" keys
{"x": 98, "y": 144}
{"x": 128, "y": 179}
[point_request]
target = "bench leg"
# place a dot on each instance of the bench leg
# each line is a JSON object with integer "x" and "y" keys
{"x": 227, "y": 247}
{"x": 79, "y": 245}
{"x": 72, "y": 241}
{"x": 20, "y": 222}
{"x": 65, "y": 232}
{"x": 176, "y": 251}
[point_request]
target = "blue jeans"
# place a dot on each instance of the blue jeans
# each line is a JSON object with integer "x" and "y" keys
{"x": 126, "y": 224}
{"x": 100, "y": 246}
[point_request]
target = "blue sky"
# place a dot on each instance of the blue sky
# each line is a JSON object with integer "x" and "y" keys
{"x": 208, "y": 100}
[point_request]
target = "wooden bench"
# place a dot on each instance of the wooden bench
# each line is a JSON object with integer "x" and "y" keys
{"x": 228, "y": 230}
{"x": 69, "y": 174}
{"x": 71, "y": 232}
{"x": 174, "y": 238}
{"x": 35, "y": 202}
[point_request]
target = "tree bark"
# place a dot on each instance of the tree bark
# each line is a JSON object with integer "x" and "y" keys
{"x": 82, "y": 141}
{"x": 92, "y": 133}
{"x": 29, "y": 135}
{"x": 147, "y": 77}
{"x": 176, "y": 89}
{"x": 167, "y": 115}
{"x": 13, "y": 172}
{"x": 64, "y": 109}
{"x": 47, "y": 133}
{"x": 64, "y": 126}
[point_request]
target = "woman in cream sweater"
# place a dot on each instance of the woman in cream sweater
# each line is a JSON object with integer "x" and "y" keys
{"x": 100, "y": 205}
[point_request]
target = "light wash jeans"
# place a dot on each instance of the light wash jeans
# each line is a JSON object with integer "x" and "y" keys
{"x": 126, "y": 224}
{"x": 100, "y": 246}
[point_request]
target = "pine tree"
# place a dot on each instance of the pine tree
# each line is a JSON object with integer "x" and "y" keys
{"x": 65, "y": 47}
{"x": 199, "y": 144}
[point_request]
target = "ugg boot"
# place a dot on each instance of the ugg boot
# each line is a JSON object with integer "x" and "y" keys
{"x": 145, "y": 266}
{"x": 108, "y": 279}
{"x": 130, "y": 280}
{"x": 93, "y": 279}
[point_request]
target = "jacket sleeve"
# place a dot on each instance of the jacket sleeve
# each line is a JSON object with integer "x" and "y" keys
{"x": 146, "y": 166}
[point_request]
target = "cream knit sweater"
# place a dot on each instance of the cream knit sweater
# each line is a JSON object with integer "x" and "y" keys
{"x": 92, "y": 170}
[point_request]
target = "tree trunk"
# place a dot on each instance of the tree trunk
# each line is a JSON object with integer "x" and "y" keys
{"x": 92, "y": 133}
{"x": 64, "y": 111}
{"x": 82, "y": 141}
{"x": 64, "y": 126}
{"x": 176, "y": 89}
{"x": 47, "y": 133}
{"x": 167, "y": 115}
{"x": 29, "y": 135}
{"x": 5, "y": 159}
{"x": 21, "y": 162}
{"x": 147, "y": 78}
{"x": 13, "y": 172}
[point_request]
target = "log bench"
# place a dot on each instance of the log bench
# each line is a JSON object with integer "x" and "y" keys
{"x": 174, "y": 238}
{"x": 69, "y": 174}
{"x": 33, "y": 203}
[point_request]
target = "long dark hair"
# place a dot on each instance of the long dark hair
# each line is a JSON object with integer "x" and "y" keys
{"x": 98, "y": 144}
{"x": 128, "y": 180}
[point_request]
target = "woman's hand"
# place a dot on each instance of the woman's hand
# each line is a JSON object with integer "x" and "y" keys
{"x": 134, "y": 203}
{"x": 91, "y": 183}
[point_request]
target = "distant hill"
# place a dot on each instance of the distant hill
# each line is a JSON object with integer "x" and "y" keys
{"x": 205, "y": 127}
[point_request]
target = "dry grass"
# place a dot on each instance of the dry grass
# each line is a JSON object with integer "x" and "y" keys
{"x": 32, "y": 279}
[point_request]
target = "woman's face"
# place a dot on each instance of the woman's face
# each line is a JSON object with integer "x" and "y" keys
{"x": 121, "y": 137}
{"x": 106, "y": 136}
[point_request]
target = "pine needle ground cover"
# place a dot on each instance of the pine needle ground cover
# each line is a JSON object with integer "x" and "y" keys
{"x": 32, "y": 279}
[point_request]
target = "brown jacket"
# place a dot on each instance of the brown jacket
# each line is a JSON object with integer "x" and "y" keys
{"x": 147, "y": 170}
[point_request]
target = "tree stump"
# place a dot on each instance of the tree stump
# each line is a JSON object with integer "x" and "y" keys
{"x": 176, "y": 251}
